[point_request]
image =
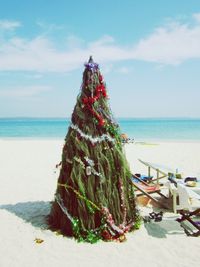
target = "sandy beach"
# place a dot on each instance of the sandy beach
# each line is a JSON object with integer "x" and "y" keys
{"x": 27, "y": 185}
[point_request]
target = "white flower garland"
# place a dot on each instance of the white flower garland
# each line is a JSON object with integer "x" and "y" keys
{"x": 65, "y": 211}
{"x": 91, "y": 163}
{"x": 63, "y": 208}
{"x": 108, "y": 216}
{"x": 93, "y": 140}
{"x": 80, "y": 162}
{"x": 110, "y": 221}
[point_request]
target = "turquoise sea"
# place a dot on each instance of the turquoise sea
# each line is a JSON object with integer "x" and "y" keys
{"x": 137, "y": 128}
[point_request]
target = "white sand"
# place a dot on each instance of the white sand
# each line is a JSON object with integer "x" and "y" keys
{"x": 28, "y": 183}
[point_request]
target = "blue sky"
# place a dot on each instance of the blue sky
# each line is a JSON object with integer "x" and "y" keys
{"x": 148, "y": 51}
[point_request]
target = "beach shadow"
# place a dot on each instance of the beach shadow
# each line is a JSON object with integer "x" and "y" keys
{"x": 31, "y": 212}
{"x": 36, "y": 213}
{"x": 168, "y": 226}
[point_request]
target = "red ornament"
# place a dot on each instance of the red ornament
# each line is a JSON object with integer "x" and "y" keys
{"x": 104, "y": 93}
{"x": 106, "y": 235}
{"x": 100, "y": 78}
{"x": 97, "y": 95}
{"x": 101, "y": 122}
{"x": 89, "y": 101}
{"x": 85, "y": 100}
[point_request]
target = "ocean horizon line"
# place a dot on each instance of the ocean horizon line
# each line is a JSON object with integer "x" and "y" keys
{"x": 116, "y": 117}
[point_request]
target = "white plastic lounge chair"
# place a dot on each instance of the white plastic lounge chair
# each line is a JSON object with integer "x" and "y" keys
{"x": 188, "y": 207}
{"x": 188, "y": 199}
{"x": 173, "y": 192}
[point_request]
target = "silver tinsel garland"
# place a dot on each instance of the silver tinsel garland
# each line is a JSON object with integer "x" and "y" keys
{"x": 93, "y": 140}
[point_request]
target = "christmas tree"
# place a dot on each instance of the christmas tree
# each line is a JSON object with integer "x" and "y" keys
{"x": 94, "y": 197}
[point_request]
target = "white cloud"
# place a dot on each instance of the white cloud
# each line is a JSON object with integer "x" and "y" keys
{"x": 74, "y": 43}
{"x": 39, "y": 54}
{"x": 35, "y": 76}
{"x": 106, "y": 68}
{"x": 103, "y": 41}
{"x": 124, "y": 70}
{"x": 24, "y": 91}
{"x": 48, "y": 28}
{"x": 196, "y": 16}
{"x": 9, "y": 24}
{"x": 172, "y": 43}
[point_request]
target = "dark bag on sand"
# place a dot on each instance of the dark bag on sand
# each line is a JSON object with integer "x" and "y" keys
{"x": 193, "y": 179}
